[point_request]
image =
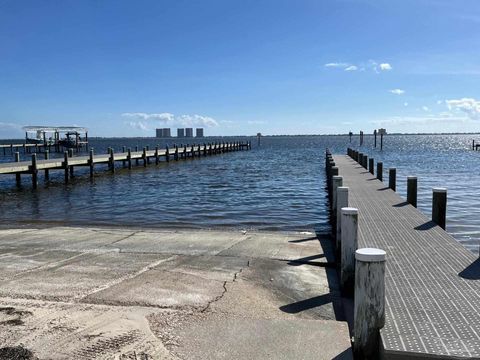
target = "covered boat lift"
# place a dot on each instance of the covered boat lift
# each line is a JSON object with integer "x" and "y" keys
{"x": 60, "y": 137}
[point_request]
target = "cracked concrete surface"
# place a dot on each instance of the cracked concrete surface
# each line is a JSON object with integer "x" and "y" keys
{"x": 106, "y": 293}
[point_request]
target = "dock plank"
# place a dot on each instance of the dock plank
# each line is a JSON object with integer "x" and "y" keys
{"x": 432, "y": 281}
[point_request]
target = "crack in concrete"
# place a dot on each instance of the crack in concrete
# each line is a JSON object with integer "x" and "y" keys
{"x": 219, "y": 297}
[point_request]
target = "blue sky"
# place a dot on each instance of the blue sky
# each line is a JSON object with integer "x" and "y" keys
{"x": 122, "y": 68}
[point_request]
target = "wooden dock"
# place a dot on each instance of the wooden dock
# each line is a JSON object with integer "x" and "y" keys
{"x": 69, "y": 162}
{"x": 432, "y": 282}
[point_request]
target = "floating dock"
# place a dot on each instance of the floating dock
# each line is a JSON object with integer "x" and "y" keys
{"x": 432, "y": 283}
{"x": 69, "y": 162}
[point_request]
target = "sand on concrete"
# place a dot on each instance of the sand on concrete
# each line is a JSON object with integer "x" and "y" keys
{"x": 116, "y": 293}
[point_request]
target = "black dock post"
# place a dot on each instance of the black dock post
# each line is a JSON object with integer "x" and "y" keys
{"x": 412, "y": 190}
{"x": 129, "y": 158}
{"x": 17, "y": 175}
{"x": 90, "y": 163}
{"x": 34, "y": 171}
{"x": 380, "y": 171}
{"x": 65, "y": 165}
{"x": 439, "y": 206}
{"x": 392, "y": 178}
{"x": 47, "y": 172}
{"x": 370, "y": 165}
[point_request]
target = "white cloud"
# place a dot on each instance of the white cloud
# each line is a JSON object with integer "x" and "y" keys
{"x": 469, "y": 106}
{"x": 397, "y": 91}
{"x": 148, "y": 122}
{"x": 337, "y": 65}
{"x": 385, "y": 67}
{"x": 362, "y": 66}
{"x": 439, "y": 102}
{"x": 425, "y": 108}
{"x": 405, "y": 103}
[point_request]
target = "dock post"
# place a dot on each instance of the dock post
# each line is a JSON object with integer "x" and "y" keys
{"x": 18, "y": 177}
{"x": 136, "y": 150}
{"x": 370, "y": 165}
{"x": 176, "y": 153}
{"x": 157, "y": 159}
{"x": 34, "y": 171}
{"x": 381, "y": 141}
{"x": 375, "y": 135}
{"x": 112, "y": 161}
{"x": 184, "y": 151}
{"x": 392, "y": 178}
{"x": 365, "y": 162}
{"x": 369, "y": 302}
{"x": 192, "y": 151}
{"x": 337, "y": 181}
{"x": 47, "y": 172}
{"x": 333, "y": 172}
{"x": 439, "y": 206}
{"x": 380, "y": 171}
{"x": 342, "y": 202}
{"x": 129, "y": 158}
{"x": 70, "y": 152}
{"x": 90, "y": 162}
{"x": 65, "y": 165}
{"x": 124, "y": 150}
{"x": 360, "y": 158}
{"x": 167, "y": 154}
{"x": 473, "y": 144}
{"x": 349, "y": 244}
{"x": 412, "y": 190}
{"x": 144, "y": 157}
{"x": 147, "y": 148}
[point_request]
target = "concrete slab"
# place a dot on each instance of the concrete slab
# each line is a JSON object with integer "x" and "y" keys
{"x": 119, "y": 293}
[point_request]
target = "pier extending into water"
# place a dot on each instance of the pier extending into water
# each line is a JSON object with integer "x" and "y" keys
{"x": 432, "y": 283}
{"x": 127, "y": 157}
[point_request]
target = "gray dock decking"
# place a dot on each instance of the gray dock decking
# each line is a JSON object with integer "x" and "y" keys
{"x": 432, "y": 281}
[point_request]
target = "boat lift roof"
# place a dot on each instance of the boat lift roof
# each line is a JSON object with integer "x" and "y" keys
{"x": 55, "y": 128}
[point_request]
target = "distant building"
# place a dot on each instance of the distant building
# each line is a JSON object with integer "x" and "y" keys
{"x": 189, "y": 132}
{"x": 180, "y": 133}
{"x": 199, "y": 132}
{"x": 163, "y": 133}
{"x": 382, "y": 131}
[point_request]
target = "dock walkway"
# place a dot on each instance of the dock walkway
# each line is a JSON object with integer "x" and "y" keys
{"x": 69, "y": 162}
{"x": 432, "y": 282}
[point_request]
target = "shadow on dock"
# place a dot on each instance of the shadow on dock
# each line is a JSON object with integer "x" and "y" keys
{"x": 472, "y": 271}
{"x": 427, "y": 226}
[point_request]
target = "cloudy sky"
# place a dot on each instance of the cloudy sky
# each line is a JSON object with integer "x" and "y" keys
{"x": 123, "y": 68}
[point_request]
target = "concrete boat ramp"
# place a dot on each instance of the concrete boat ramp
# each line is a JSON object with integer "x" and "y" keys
{"x": 98, "y": 293}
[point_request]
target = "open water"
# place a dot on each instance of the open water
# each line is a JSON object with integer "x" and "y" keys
{"x": 279, "y": 185}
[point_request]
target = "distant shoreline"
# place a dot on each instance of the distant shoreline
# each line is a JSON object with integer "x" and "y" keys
{"x": 251, "y": 136}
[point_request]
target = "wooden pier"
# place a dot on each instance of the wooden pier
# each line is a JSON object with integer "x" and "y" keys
{"x": 69, "y": 162}
{"x": 432, "y": 283}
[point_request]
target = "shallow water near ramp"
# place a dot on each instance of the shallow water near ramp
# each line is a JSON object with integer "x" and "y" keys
{"x": 279, "y": 185}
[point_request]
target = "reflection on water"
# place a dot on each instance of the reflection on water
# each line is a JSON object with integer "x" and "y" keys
{"x": 279, "y": 186}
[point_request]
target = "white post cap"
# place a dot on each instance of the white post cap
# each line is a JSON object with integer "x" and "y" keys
{"x": 439, "y": 190}
{"x": 370, "y": 255}
{"x": 342, "y": 188}
{"x": 349, "y": 211}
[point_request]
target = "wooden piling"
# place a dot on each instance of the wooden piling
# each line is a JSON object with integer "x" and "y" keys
{"x": 157, "y": 158}
{"x": 18, "y": 177}
{"x": 342, "y": 202}
{"x": 371, "y": 165}
{"x": 439, "y": 206}
{"x": 392, "y": 179}
{"x": 47, "y": 172}
{"x": 412, "y": 190}
{"x": 136, "y": 150}
{"x": 167, "y": 154}
{"x": 176, "y": 153}
{"x": 129, "y": 158}
{"x": 349, "y": 244}
{"x": 112, "y": 161}
{"x": 91, "y": 163}
{"x": 144, "y": 157}
{"x": 124, "y": 150}
{"x": 34, "y": 171}
{"x": 369, "y": 302}
{"x": 380, "y": 171}
{"x": 65, "y": 165}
